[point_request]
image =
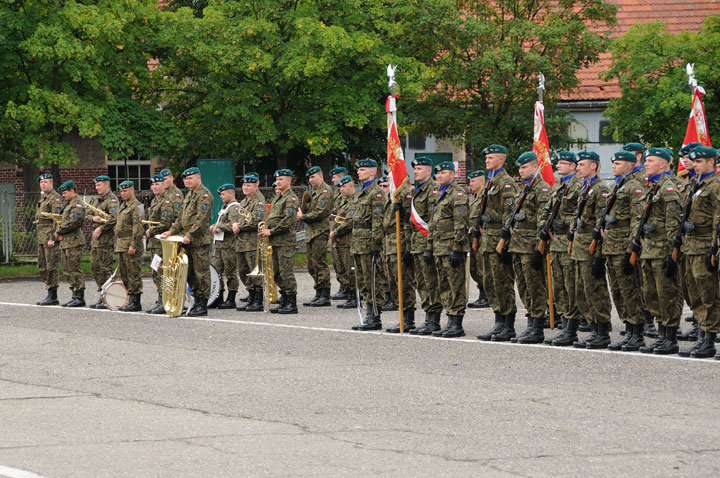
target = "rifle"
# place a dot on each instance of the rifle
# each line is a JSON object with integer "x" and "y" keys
{"x": 510, "y": 223}
{"x": 479, "y": 223}
{"x": 682, "y": 230}
{"x": 608, "y": 207}
{"x": 542, "y": 245}
{"x": 581, "y": 207}
{"x": 640, "y": 234}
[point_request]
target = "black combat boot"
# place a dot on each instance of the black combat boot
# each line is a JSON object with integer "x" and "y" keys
{"x": 568, "y": 336}
{"x": 536, "y": 334}
{"x": 51, "y": 298}
{"x": 99, "y": 301}
{"x": 255, "y": 303}
{"x": 350, "y": 303}
{"x": 648, "y": 349}
{"x": 636, "y": 340}
{"x": 77, "y": 300}
{"x": 497, "y": 328}
{"x": 669, "y": 345}
{"x": 290, "y": 306}
{"x": 313, "y": 300}
{"x": 158, "y": 303}
{"x": 481, "y": 302}
{"x": 584, "y": 325}
{"x": 251, "y": 299}
{"x": 696, "y": 345}
{"x": 707, "y": 348}
{"x": 323, "y": 300}
{"x": 426, "y": 328}
{"x": 448, "y": 326}
{"x": 371, "y": 322}
{"x": 649, "y": 330}
{"x": 200, "y": 309}
{"x": 508, "y": 330}
{"x": 624, "y": 338}
{"x": 246, "y": 298}
{"x": 692, "y": 334}
{"x": 408, "y": 322}
{"x": 281, "y": 303}
{"x": 456, "y": 330}
{"x": 341, "y": 294}
{"x": 581, "y": 344}
{"x": 230, "y": 301}
{"x": 389, "y": 304}
{"x": 159, "y": 307}
{"x": 219, "y": 300}
{"x": 603, "y": 337}
{"x": 133, "y": 305}
{"x": 528, "y": 329}
{"x": 562, "y": 326}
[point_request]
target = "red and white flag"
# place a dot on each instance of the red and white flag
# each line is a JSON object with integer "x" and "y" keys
{"x": 697, "y": 131}
{"x": 541, "y": 145}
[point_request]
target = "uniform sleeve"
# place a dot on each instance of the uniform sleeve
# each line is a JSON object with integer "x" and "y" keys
{"x": 543, "y": 206}
{"x": 461, "y": 222}
{"x": 377, "y": 213}
{"x": 204, "y": 214}
{"x": 111, "y": 209}
{"x": 320, "y": 211}
{"x": 177, "y": 224}
{"x": 72, "y": 220}
{"x": 232, "y": 216}
{"x": 508, "y": 198}
{"x": 346, "y": 226}
{"x": 287, "y": 220}
{"x": 716, "y": 211}
{"x": 137, "y": 231}
{"x": 673, "y": 208}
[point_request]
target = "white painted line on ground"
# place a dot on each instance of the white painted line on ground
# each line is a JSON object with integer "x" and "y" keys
{"x": 379, "y": 334}
{"x": 6, "y": 471}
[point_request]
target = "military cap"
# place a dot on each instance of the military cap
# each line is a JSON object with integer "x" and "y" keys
{"x": 685, "y": 150}
{"x": 190, "y": 172}
{"x": 383, "y": 179}
{"x": 659, "y": 152}
{"x": 624, "y": 156}
{"x": 250, "y": 178}
{"x": 166, "y": 172}
{"x": 669, "y": 151}
{"x": 525, "y": 158}
{"x": 44, "y": 176}
{"x": 282, "y": 172}
{"x": 344, "y": 180}
{"x": 367, "y": 163}
{"x": 445, "y": 166}
{"x": 253, "y": 173}
{"x": 337, "y": 170}
{"x": 495, "y": 148}
{"x": 591, "y": 155}
{"x": 66, "y": 185}
{"x": 313, "y": 170}
{"x": 703, "y": 152}
{"x": 102, "y": 177}
{"x": 157, "y": 178}
{"x": 125, "y": 185}
{"x": 634, "y": 147}
{"x": 226, "y": 187}
{"x": 475, "y": 174}
{"x": 567, "y": 156}
{"x": 421, "y": 161}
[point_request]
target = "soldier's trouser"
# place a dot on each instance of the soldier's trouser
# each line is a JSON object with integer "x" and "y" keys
{"x": 595, "y": 305}
{"x": 101, "y": 264}
{"x": 72, "y": 267}
{"x": 381, "y": 277}
{"x": 683, "y": 273}
{"x": 246, "y": 263}
{"x": 476, "y": 270}
{"x": 420, "y": 282}
{"x": 283, "y": 258}
{"x": 563, "y": 277}
{"x": 535, "y": 294}
{"x": 705, "y": 285}
{"x": 129, "y": 268}
{"x": 317, "y": 261}
{"x": 156, "y": 274}
{"x": 430, "y": 276}
{"x": 225, "y": 262}
{"x": 408, "y": 286}
{"x": 199, "y": 271}
{"x": 625, "y": 291}
{"x": 499, "y": 283}
{"x": 48, "y": 260}
{"x": 662, "y": 295}
{"x": 451, "y": 284}
{"x": 364, "y": 275}
{"x": 341, "y": 265}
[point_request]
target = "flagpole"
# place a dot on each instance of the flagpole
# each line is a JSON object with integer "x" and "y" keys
{"x": 395, "y": 199}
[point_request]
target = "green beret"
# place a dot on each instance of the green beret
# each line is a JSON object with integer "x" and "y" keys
{"x": 157, "y": 178}
{"x": 274, "y": 185}
{"x": 226, "y": 187}
{"x": 44, "y": 176}
{"x": 659, "y": 152}
{"x": 624, "y": 156}
{"x": 445, "y": 166}
{"x": 250, "y": 178}
{"x": 125, "y": 185}
{"x": 591, "y": 155}
{"x": 383, "y": 179}
{"x": 634, "y": 147}
{"x": 421, "y": 161}
{"x": 685, "y": 150}
{"x": 475, "y": 174}
{"x": 282, "y": 172}
{"x": 253, "y": 173}
{"x": 102, "y": 177}
{"x": 525, "y": 158}
{"x": 495, "y": 148}
{"x": 338, "y": 170}
{"x": 166, "y": 172}
{"x": 66, "y": 185}
{"x": 567, "y": 156}
{"x": 669, "y": 151}
{"x": 344, "y": 180}
{"x": 703, "y": 152}
{"x": 190, "y": 172}
{"x": 366, "y": 163}
{"x": 313, "y": 170}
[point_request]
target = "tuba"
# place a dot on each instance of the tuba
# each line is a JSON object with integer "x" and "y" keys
{"x": 174, "y": 276}
{"x": 264, "y": 268}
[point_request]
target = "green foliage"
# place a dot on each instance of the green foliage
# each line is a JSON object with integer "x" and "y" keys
{"x": 649, "y": 65}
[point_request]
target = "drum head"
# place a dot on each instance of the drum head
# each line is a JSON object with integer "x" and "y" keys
{"x": 214, "y": 284}
{"x": 115, "y": 295}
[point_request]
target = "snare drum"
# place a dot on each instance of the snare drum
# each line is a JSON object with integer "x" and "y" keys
{"x": 115, "y": 295}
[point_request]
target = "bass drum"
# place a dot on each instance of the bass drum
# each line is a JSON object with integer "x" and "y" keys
{"x": 115, "y": 295}
{"x": 214, "y": 289}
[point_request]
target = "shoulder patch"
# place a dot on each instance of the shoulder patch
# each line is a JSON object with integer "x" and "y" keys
{"x": 293, "y": 199}
{"x": 544, "y": 190}
{"x": 460, "y": 194}
{"x": 638, "y": 191}
{"x": 379, "y": 196}
{"x": 670, "y": 190}
{"x": 113, "y": 200}
{"x": 507, "y": 186}
{"x": 177, "y": 195}
{"x": 604, "y": 195}
{"x": 78, "y": 205}
{"x": 324, "y": 191}
{"x": 205, "y": 195}
{"x": 167, "y": 202}
{"x": 434, "y": 191}
{"x": 57, "y": 200}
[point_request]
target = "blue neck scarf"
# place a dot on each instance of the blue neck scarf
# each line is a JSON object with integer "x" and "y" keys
{"x": 567, "y": 178}
{"x": 492, "y": 174}
{"x": 654, "y": 178}
{"x": 367, "y": 184}
{"x": 589, "y": 182}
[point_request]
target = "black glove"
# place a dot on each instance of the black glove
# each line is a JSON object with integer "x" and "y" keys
{"x": 627, "y": 268}
{"x": 475, "y": 232}
{"x": 376, "y": 255}
{"x": 505, "y": 257}
{"x": 635, "y": 245}
{"x": 544, "y": 234}
{"x": 711, "y": 255}
{"x": 597, "y": 234}
{"x": 505, "y": 233}
{"x": 397, "y": 206}
{"x": 677, "y": 241}
{"x": 536, "y": 261}
{"x": 669, "y": 267}
{"x": 598, "y": 267}
{"x": 456, "y": 259}
{"x": 407, "y": 258}
{"x": 571, "y": 235}
{"x": 428, "y": 256}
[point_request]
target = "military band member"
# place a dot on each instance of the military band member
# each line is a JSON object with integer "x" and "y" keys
{"x": 48, "y": 249}
{"x": 281, "y": 231}
{"x": 173, "y": 193}
{"x": 129, "y": 244}
{"x": 476, "y": 180}
{"x": 247, "y": 236}
{"x": 161, "y": 210}
{"x": 342, "y": 269}
{"x": 72, "y": 240}
{"x": 448, "y": 241}
{"x": 225, "y": 257}
{"x": 192, "y": 223}
{"x": 385, "y": 274}
{"x": 102, "y": 244}
{"x": 341, "y": 230}
{"x": 317, "y": 231}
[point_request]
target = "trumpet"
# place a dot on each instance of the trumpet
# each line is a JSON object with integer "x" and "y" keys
{"x": 338, "y": 219}
{"x": 50, "y": 215}
{"x": 246, "y": 215}
{"x": 98, "y": 212}
{"x": 150, "y": 223}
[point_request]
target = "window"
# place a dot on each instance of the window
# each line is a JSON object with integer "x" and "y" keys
{"x": 603, "y": 138}
{"x": 417, "y": 143}
{"x": 138, "y": 171}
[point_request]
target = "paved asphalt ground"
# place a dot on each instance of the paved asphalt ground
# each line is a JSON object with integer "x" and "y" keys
{"x": 88, "y": 393}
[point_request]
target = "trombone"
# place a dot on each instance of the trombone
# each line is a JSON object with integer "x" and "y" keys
{"x": 264, "y": 268}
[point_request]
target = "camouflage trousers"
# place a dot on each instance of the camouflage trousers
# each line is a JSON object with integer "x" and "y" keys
{"x": 476, "y": 270}
{"x": 245, "y": 264}
{"x": 72, "y": 267}
{"x": 342, "y": 262}
{"x": 199, "y": 271}
{"x": 452, "y": 285}
{"x": 225, "y": 262}
{"x": 283, "y": 258}
{"x": 705, "y": 285}
{"x": 592, "y": 294}
{"x": 625, "y": 291}
{"x": 691, "y": 300}
{"x": 426, "y": 282}
{"x": 317, "y": 261}
{"x": 662, "y": 295}
{"x": 408, "y": 285}
{"x": 531, "y": 285}
{"x": 129, "y": 268}
{"x": 499, "y": 283}
{"x": 101, "y": 264}
{"x": 563, "y": 285}
{"x": 364, "y": 276}
{"x": 48, "y": 260}
{"x": 156, "y": 274}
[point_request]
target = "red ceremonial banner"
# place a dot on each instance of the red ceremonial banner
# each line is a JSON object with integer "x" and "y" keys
{"x": 541, "y": 145}
{"x": 697, "y": 131}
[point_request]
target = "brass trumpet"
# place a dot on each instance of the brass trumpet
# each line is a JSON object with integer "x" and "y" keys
{"x": 98, "y": 212}
{"x": 246, "y": 215}
{"x": 50, "y": 215}
{"x": 264, "y": 268}
{"x": 150, "y": 223}
{"x": 338, "y": 219}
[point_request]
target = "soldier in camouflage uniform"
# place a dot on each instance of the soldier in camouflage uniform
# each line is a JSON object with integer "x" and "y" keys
{"x": 281, "y": 231}
{"x": 476, "y": 181}
{"x": 367, "y": 211}
{"x": 129, "y": 244}
{"x": 102, "y": 244}
{"x": 385, "y": 275}
{"x": 497, "y": 270}
{"x": 341, "y": 234}
{"x": 172, "y": 192}
{"x": 72, "y": 240}
{"x": 225, "y": 257}
{"x": 448, "y": 241}
{"x": 340, "y": 264}
{"x": 247, "y": 236}
{"x": 317, "y": 230}
{"x": 161, "y": 210}
{"x": 192, "y": 223}
{"x": 48, "y": 249}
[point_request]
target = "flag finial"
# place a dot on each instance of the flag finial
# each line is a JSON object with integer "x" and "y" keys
{"x": 391, "y": 76}
{"x": 690, "y": 70}
{"x": 541, "y": 85}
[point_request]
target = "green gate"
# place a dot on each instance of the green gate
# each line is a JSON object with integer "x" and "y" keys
{"x": 215, "y": 173}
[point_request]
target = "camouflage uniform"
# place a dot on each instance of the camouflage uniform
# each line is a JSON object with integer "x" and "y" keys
{"x": 225, "y": 256}
{"x": 176, "y": 197}
{"x": 476, "y": 257}
{"x": 72, "y": 243}
{"x": 129, "y": 233}
{"x": 390, "y": 231}
{"x": 317, "y": 230}
{"x": 163, "y": 211}
{"x": 102, "y": 247}
{"x": 247, "y": 239}
{"x": 426, "y": 279}
{"x": 48, "y": 257}
{"x": 341, "y": 259}
{"x": 281, "y": 222}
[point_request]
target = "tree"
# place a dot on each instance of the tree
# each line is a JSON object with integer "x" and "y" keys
{"x": 649, "y": 65}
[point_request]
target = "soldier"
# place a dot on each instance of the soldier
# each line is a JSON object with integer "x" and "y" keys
{"x": 281, "y": 231}
{"x": 342, "y": 269}
{"x": 384, "y": 271}
{"x": 72, "y": 240}
{"x": 317, "y": 231}
{"x": 367, "y": 211}
{"x": 48, "y": 250}
{"x": 225, "y": 257}
{"x": 497, "y": 270}
{"x": 129, "y": 244}
{"x": 192, "y": 223}
{"x": 341, "y": 235}
{"x": 174, "y": 195}
{"x": 161, "y": 210}
{"x": 476, "y": 181}
{"x": 661, "y": 294}
{"x": 103, "y": 236}
{"x": 523, "y": 243}
{"x": 448, "y": 241}
{"x": 247, "y": 236}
